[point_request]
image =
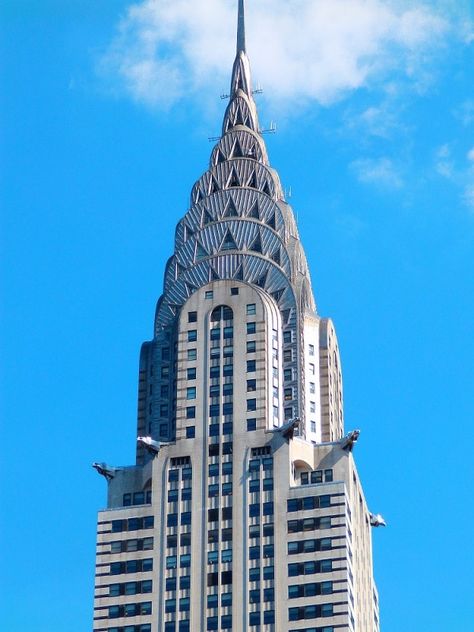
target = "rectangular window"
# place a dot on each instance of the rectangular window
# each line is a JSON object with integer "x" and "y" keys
{"x": 251, "y": 385}
{"x": 287, "y": 355}
{"x": 190, "y": 432}
{"x": 192, "y": 354}
{"x": 209, "y": 294}
{"x": 312, "y": 407}
{"x": 313, "y": 426}
{"x": 251, "y": 404}
{"x": 251, "y": 366}
{"x": 251, "y": 328}
{"x": 192, "y": 317}
{"x": 192, "y": 335}
{"x": 215, "y": 333}
{"x": 328, "y": 476}
{"x": 191, "y": 392}
{"x": 228, "y": 370}
{"x": 288, "y": 394}
{"x": 214, "y": 372}
{"x": 165, "y": 371}
{"x": 311, "y": 350}
{"x": 251, "y": 424}
{"x": 312, "y": 388}
{"x": 190, "y": 412}
{"x": 251, "y": 346}
{"x": 234, "y": 291}
{"x": 312, "y": 369}
{"x": 288, "y": 375}
{"x": 251, "y": 309}
{"x": 214, "y": 410}
{"x": 191, "y": 373}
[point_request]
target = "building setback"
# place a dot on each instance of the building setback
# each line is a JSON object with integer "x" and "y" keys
{"x": 244, "y": 511}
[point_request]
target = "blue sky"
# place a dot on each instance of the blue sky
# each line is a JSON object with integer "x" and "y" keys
{"x": 105, "y": 112}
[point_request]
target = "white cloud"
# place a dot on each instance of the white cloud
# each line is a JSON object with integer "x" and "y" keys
{"x": 444, "y": 164}
{"x": 311, "y": 50}
{"x": 379, "y": 171}
{"x": 470, "y": 155}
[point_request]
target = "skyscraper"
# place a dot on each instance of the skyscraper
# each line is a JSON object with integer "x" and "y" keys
{"x": 244, "y": 510}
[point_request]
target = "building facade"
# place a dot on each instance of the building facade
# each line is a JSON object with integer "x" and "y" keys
{"x": 244, "y": 511}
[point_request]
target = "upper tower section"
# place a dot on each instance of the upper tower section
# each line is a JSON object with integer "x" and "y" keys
{"x": 239, "y": 225}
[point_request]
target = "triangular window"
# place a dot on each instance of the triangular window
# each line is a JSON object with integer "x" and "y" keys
{"x": 213, "y": 276}
{"x": 266, "y": 188}
{"x": 252, "y": 182}
{"x": 206, "y": 218}
{"x": 254, "y": 212}
{"x": 190, "y": 288}
{"x": 238, "y": 117}
{"x": 201, "y": 252}
{"x": 271, "y": 221}
{"x": 276, "y": 256}
{"x": 261, "y": 280}
{"x": 237, "y": 150}
{"x": 277, "y": 295}
{"x": 220, "y": 157}
{"x": 228, "y": 242}
{"x": 233, "y": 179}
{"x": 256, "y": 245}
{"x": 230, "y": 210}
{"x": 239, "y": 273}
{"x": 198, "y": 195}
{"x": 213, "y": 185}
{"x": 285, "y": 315}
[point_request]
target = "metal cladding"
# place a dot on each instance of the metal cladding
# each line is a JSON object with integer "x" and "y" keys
{"x": 239, "y": 225}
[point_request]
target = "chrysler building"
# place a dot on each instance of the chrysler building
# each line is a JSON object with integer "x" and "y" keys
{"x": 244, "y": 511}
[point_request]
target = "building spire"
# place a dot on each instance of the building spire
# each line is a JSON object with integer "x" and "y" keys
{"x": 241, "y": 27}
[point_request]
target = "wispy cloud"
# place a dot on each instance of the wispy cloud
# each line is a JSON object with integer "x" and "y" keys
{"x": 459, "y": 170}
{"x": 380, "y": 171}
{"x": 311, "y": 50}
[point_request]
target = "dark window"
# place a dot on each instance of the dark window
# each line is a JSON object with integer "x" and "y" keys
{"x": 251, "y": 424}
{"x": 251, "y": 346}
{"x": 192, "y": 335}
{"x": 251, "y": 328}
{"x": 192, "y": 317}
{"x": 190, "y": 432}
{"x": 191, "y": 412}
{"x": 251, "y": 366}
{"x": 214, "y": 410}
{"x": 214, "y": 371}
{"x": 214, "y": 449}
{"x": 227, "y": 447}
{"x": 251, "y": 385}
{"x": 251, "y": 404}
{"x": 234, "y": 291}
{"x": 191, "y": 373}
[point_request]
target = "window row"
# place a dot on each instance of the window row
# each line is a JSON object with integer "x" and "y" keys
{"x": 309, "y": 546}
{"x": 213, "y": 600}
{"x": 215, "y": 332}
{"x": 254, "y": 485}
{"x": 184, "y": 540}
{"x": 122, "y": 546}
{"x": 266, "y": 463}
{"x": 132, "y": 524}
{"x": 268, "y": 550}
{"x": 309, "y": 524}
{"x": 213, "y": 578}
{"x": 183, "y": 605}
{"x": 309, "y": 590}
{"x": 309, "y": 568}
{"x": 256, "y": 595}
{"x": 172, "y": 519}
{"x": 186, "y": 474}
{"x": 137, "y": 498}
{"x": 215, "y": 467}
{"x": 130, "y": 610}
{"x": 227, "y": 390}
{"x": 266, "y": 509}
{"x": 225, "y": 623}
{"x": 184, "y": 582}
{"x": 173, "y": 494}
{"x": 213, "y": 556}
{"x": 308, "y": 502}
{"x": 214, "y": 448}
{"x": 227, "y": 371}
{"x": 324, "y": 628}
{"x": 266, "y": 572}
{"x": 183, "y": 626}
{"x": 213, "y": 514}
{"x": 184, "y": 561}
{"x": 213, "y": 490}
{"x": 213, "y": 535}
{"x": 267, "y": 530}
{"x": 317, "y": 476}
{"x": 144, "y": 627}
{"x": 268, "y": 617}
{"x": 215, "y": 409}
{"x": 310, "y": 612}
{"x": 131, "y": 566}
{"x": 130, "y": 588}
